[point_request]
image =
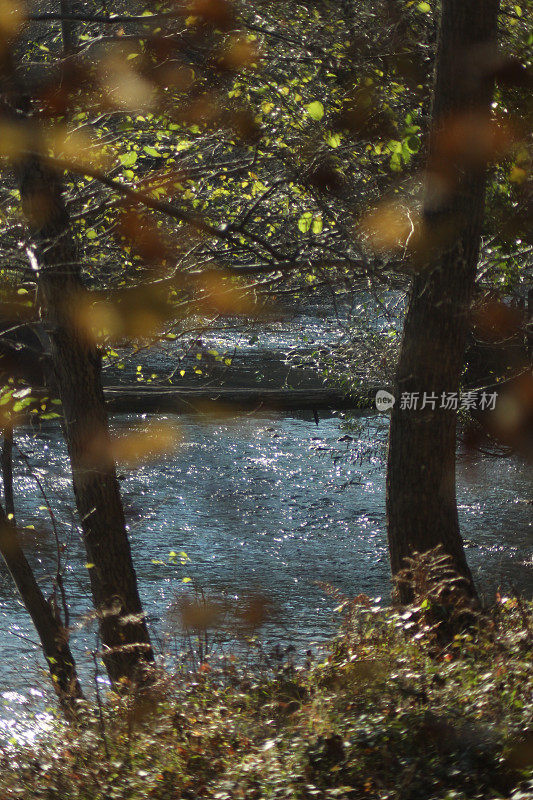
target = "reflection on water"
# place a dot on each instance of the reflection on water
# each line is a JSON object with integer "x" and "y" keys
{"x": 271, "y": 504}
{"x": 15, "y": 709}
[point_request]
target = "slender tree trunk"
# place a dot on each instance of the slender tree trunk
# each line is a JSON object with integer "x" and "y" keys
{"x": 421, "y": 497}
{"x": 54, "y": 637}
{"x": 6, "y": 458}
{"x": 77, "y": 365}
{"x": 67, "y": 28}
{"x": 529, "y": 326}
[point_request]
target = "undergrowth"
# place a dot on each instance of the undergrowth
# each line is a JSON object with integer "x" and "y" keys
{"x": 388, "y": 712}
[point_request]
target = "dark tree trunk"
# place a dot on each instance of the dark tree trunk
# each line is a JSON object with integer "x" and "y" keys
{"x": 52, "y": 634}
{"x": 529, "y": 326}
{"x": 421, "y": 498}
{"x": 67, "y": 28}
{"x": 77, "y": 365}
{"x": 7, "y": 472}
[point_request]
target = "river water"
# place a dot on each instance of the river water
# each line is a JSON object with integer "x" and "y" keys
{"x": 262, "y": 505}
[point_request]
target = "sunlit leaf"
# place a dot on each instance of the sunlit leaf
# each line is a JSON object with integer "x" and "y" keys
{"x": 317, "y": 224}
{"x": 315, "y": 110}
{"x": 305, "y": 222}
{"x": 128, "y": 159}
{"x": 334, "y": 140}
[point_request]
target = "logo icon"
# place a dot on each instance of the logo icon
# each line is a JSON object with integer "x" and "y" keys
{"x": 384, "y": 400}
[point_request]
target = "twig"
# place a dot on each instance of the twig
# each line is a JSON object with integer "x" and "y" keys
{"x": 58, "y": 578}
{"x": 7, "y": 471}
{"x": 101, "y": 721}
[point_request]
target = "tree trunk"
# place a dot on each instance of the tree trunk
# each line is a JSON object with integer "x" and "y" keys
{"x": 6, "y": 458}
{"x": 67, "y": 28}
{"x": 421, "y": 498}
{"x": 529, "y": 326}
{"x": 53, "y": 635}
{"x": 77, "y": 364}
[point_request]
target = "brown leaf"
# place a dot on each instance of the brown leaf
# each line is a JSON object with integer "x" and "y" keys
{"x": 495, "y": 321}
{"x": 218, "y": 13}
{"x": 142, "y": 444}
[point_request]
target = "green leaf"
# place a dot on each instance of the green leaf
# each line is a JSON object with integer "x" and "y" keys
{"x": 315, "y": 110}
{"x": 425, "y": 8}
{"x": 396, "y": 162}
{"x": 406, "y": 153}
{"x": 413, "y": 144}
{"x": 305, "y": 222}
{"x": 22, "y": 393}
{"x": 334, "y": 140}
{"x": 150, "y": 151}
{"x": 20, "y": 404}
{"x": 128, "y": 159}
{"x": 317, "y": 224}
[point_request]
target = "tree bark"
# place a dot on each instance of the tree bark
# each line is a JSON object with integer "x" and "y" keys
{"x": 52, "y": 634}
{"x": 77, "y": 366}
{"x": 421, "y": 496}
{"x": 529, "y": 326}
{"x": 6, "y": 459}
{"x": 67, "y": 28}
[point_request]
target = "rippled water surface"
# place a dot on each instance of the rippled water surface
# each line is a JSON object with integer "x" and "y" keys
{"x": 272, "y": 504}
{"x": 268, "y": 504}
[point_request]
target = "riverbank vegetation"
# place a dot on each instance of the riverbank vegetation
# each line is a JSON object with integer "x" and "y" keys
{"x": 396, "y": 707}
{"x": 189, "y": 163}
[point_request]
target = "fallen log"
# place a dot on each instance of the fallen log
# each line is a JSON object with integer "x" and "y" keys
{"x": 157, "y": 400}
